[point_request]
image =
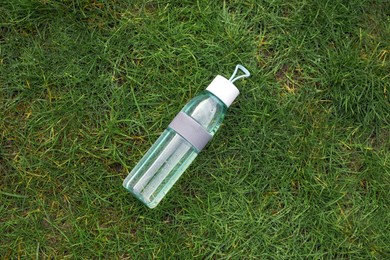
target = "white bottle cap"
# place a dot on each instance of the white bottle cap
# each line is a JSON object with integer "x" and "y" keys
{"x": 223, "y": 89}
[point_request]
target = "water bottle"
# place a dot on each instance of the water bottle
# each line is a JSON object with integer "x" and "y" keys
{"x": 181, "y": 142}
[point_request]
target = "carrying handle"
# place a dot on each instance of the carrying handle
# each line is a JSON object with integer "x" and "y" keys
{"x": 243, "y": 69}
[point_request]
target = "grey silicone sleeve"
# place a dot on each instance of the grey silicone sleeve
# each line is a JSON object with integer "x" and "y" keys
{"x": 190, "y": 130}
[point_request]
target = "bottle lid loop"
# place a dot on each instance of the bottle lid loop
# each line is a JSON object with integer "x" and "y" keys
{"x": 243, "y": 69}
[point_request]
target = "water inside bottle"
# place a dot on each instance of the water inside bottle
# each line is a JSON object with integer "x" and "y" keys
{"x": 160, "y": 168}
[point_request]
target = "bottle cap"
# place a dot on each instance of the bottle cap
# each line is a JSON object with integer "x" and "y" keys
{"x": 224, "y": 88}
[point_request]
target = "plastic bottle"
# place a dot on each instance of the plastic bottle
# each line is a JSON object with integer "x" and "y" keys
{"x": 180, "y": 143}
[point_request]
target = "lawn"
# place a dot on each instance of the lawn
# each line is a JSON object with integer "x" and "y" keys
{"x": 299, "y": 169}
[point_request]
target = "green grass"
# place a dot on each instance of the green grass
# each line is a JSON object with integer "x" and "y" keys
{"x": 300, "y": 168}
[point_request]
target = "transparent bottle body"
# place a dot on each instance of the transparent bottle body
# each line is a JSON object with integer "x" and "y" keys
{"x": 171, "y": 154}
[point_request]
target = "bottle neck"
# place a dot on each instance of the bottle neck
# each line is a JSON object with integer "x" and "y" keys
{"x": 207, "y": 109}
{"x": 220, "y": 102}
